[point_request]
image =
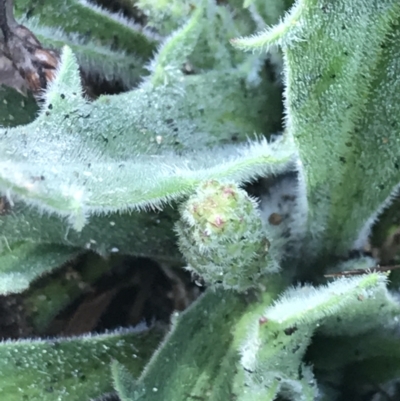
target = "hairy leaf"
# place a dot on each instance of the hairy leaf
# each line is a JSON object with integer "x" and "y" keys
{"x": 70, "y": 369}
{"x": 90, "y": 21}
{"x": 341, "y": 107}
{"x": 364, "y": 298}
{"x": 142, "y": 234}
{"x": 97, "y": 61}
{"x": 84, "y": 169}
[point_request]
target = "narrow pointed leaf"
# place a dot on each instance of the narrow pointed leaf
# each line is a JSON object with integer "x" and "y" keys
{"x": 363, "y": 299}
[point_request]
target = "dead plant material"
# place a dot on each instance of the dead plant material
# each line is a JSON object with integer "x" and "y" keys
{"x": 5, "y": 207}
{"x": 24, "y": 63}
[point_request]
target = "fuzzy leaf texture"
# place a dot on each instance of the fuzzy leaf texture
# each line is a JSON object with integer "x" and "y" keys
{"x": 81, "y": 174}
{"x": 224, "y": 347}
{"x": 70, "y": 369}
{"x": 117, "y": 56}
{"x": 84, "y": 169}
{"x": 101, "y": 62}
{"x": 72, "y": 16}
{"x": 342, "y": 109}
{"x": 90, "y": 165}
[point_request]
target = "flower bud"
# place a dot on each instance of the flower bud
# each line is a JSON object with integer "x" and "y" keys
{"x": 222, "y": 237}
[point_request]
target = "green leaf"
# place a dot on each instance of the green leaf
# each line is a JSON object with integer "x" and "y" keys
{"x": 364, "y": 300}
{"x": 362, "y": 360}
{"x": 176, "y": 49}
{"x": 25, "y": 262}
{"x": 15, "y": 108}
{"x": 70, "y": 369}
{"x": 346, "y": 350}
{"x": 209, "y": 349}
{"x": 124, "y": 382}
{"x": 96, "y": 61}
{"x": 142, "y": 234}
{"x": 74, "y": 164}
{"x": 342, "y": 107}
{"x": 269, "y": 11}
{"x": 87, "y": 19}
{"x": 191, "y": 359}
{"x": 166, "y": 15}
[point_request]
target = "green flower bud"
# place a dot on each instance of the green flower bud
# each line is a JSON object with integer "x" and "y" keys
{"x": 222, "y": 237}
